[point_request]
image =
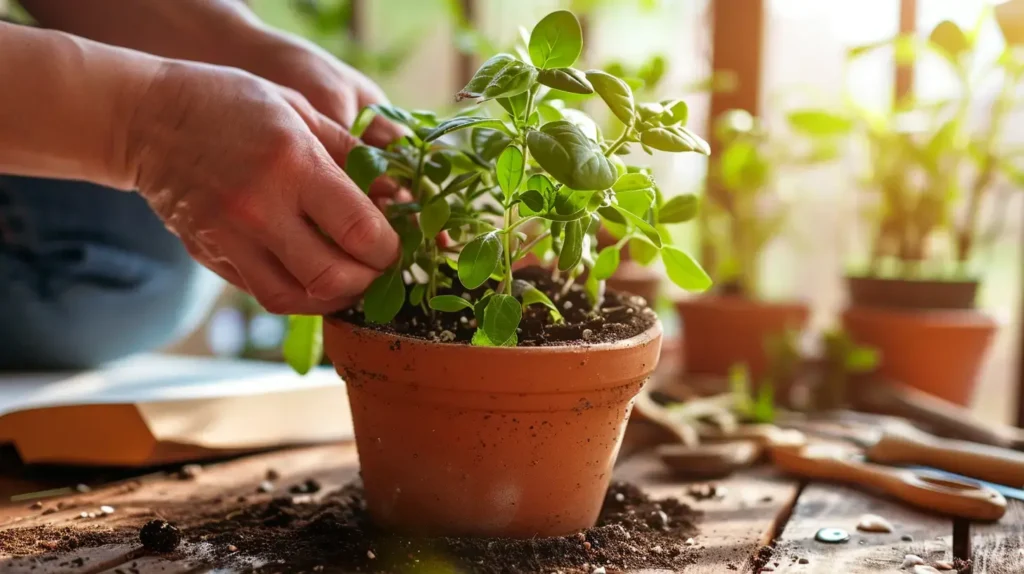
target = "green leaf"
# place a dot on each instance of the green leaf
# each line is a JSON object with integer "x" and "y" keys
{"x": 480, "y": 339}
{"x": 462, "y": 123}
{"x": 571, "y": 157}
{"x": 534, "y": 201}
{"x": 501, "y": 317}
{"x": 642, "y": 252}
{"x": 820, "y": 123}
{"x": 530, "y": 295}
{"x": 949, "y": 38}
{"x": 509, "y": 170}
{"x": 500, "y": 77}
{"x": 637, "y": 202}
{"x": 679, "y": 209}
{"x": 410, "y": 235}
{"x": 416, "y": 294}
{"x": 674, "y": 139}
{"x": 676, "y": 112}
{"x": 304, "y": 345}
{"x": 861, "y": 360}
{"x": 479, "y": 259}
{"x": 607, "y": 262}
{"x": 364, "y": 165}
{"x": 556, "y": 41}
{"x": 434, "y": 216}
{"x": 449, "y": 303}
{"x": 489, "y": 143}
{"x": 566, "y": 79}
{"x": 395, "y": 114}
{"x": 641, "y": 225}
{"x": 515, "y": 105}
{"x": 594, "y": 290}
{"x": 742, "y": 167}
{"x": 633, "y": 182}
{"x": 385, "y": 297}
{"x": 683, "y": 270}
{"x": 572, "y": 248}
{"x": 437, "y": 167}
{"x": 615, "y": 93}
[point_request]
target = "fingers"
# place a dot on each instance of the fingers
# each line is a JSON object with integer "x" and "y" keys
{"x": 324, "y": 271}
{"x": 382, "y": 132}
{"x": 265, "y": 278}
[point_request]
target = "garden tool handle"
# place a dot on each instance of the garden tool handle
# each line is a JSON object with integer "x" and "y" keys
{"x": 951, "y": 497}
{"x": 984, "y": 462}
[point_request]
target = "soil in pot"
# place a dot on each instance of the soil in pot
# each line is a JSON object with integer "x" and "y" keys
{"x": 723, "y": 330}
{"x": 335, "y": 534}
{"x": 494, "y": 441}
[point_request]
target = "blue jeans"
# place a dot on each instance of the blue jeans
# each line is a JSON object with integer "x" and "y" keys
{"x": 88, "y": 275}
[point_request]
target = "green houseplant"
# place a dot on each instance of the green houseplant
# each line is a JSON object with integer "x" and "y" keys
{"x": 932, "y": 167}
{"x": 489, "y": 399}
{"x": 742, "y": 212}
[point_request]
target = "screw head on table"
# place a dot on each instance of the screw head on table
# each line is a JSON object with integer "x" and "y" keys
{"x": 832, "y": 536}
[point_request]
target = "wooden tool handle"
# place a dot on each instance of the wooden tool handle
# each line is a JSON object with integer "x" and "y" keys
{"x": 993, "y": 464}
{"x": 954, "y": 498}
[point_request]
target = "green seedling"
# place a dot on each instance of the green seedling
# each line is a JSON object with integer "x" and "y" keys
{"x": 518, "y": 181}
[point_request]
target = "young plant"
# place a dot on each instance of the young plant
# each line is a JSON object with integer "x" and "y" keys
{"x": 744, "y": 210}
{"x": 931, "y": 165}
{"x": 489, "y": 189}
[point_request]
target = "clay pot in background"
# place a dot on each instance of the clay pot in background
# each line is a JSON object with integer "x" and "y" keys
{"x": 939, "y": 350}
{"x": 720, "y": 331}
{"x": 459, "y": 440}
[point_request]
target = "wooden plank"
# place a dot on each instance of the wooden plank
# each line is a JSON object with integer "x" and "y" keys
{"x": 734, "y": 527}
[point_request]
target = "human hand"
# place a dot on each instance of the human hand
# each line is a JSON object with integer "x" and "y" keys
{"x": 247, "y": 174}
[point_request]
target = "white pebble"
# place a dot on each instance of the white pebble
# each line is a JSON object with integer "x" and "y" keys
{"x": 657, "y": 549}
{"x": 587, "y": 334}
{"x": 598, "y": 570}
{"x": 83, "y": 515}
{"x": 690, "y": 542}
{"x": 107, "y": 509}
{"x": 943, "y": 565}
{"x": 619, "y": 497}
{"x": 447, "y": 336}
{"x": 874, "y": 523}
{"x": 925, "y": 570}
{"x": 371, "y": 555}
{"x": 567, "y": 305}
{"x": 911, "y": 560}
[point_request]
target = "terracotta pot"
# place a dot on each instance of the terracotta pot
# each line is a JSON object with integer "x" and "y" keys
{"x": 635, "y": 279}
{"x": 721, "y": 331}
{"x": 911, "y": 294}
{"x": 939, "y": 352}
{"x": 471, "y": 441}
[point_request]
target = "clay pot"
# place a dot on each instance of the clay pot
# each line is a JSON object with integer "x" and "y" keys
{"x": 457, "y": 440}
{"x": 911, "y": 294}
{"x": 721, "y": 331}
{"x": 635, "y": 279}
{"x": 939, "y": 350}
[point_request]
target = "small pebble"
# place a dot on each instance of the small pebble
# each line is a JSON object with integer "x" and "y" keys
{"x": 49, "y": 511}
{"x": 36, "y": 506}
{"x": 911, "y": 560}
{"x": 943, "y": 565}
{"x": 83, "y": 515}
{"x": 619, "y": 497}
{"x": 92, "y": 515}
{"x": 82, "y": 488}
{"x": 265, "y": 486}
{"x": 598, "y": 570}
{"x": 803, "y": 561}
{"x": 586, "y": 546}
{"x": 272, "y": 474}
{"x": 567, "y": 305}
{"x": 446, "y": 336}
{"x": 657, "y": 549}
{"x": 232, "y": 548}
{"x": 105, "y": 510}
{"x": 371, "y": 555}
{"x": 690, "y": 542}
{"x": 907, "y": 538}
{"x": 874, "y": 523}
{"x": 587, "y": 334}
{"x": 190, "y": 471}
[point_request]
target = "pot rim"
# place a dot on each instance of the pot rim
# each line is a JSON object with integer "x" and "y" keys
{"x": 640, "y": 339}
{"x": 910, "y": 280}
{"x": 740, "y": 301}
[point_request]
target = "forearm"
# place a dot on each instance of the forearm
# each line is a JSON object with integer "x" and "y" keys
{"x": 65, "y": 105}
{"x": 211, "y": 31}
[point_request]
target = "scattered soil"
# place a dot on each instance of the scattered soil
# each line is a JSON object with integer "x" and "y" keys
{"x": 296, "y": 534}
{"x": 620, "y": 316}
{"x": 160, "y": 536}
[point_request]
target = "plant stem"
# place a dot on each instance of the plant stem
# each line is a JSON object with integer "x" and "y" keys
{"x": 506, "y": 240}
{"x": 521, "y": 221}
{"x": 524, "y": 249}
{"x": 618, "y": 143}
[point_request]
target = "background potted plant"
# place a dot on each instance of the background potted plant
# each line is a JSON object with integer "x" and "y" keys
{"x": 487, "y": 399}
{"x": 743, "y": 212}
{"x": 932, "y": 166}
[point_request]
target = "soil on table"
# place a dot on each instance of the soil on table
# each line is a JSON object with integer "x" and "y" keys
{"x": 334, "y": 534}
{"x": 618, "y": 317}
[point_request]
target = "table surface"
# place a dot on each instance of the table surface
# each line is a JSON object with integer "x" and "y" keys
{"x": 760, "y": 507}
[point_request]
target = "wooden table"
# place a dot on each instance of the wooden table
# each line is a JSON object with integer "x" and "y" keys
{"x": 759, "y": 507}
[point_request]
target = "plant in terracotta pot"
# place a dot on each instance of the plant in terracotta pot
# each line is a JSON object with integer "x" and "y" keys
{"x": 743, "y": 211}
{"x": 932, "y": 169}
{"x": 490, "y": 399}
